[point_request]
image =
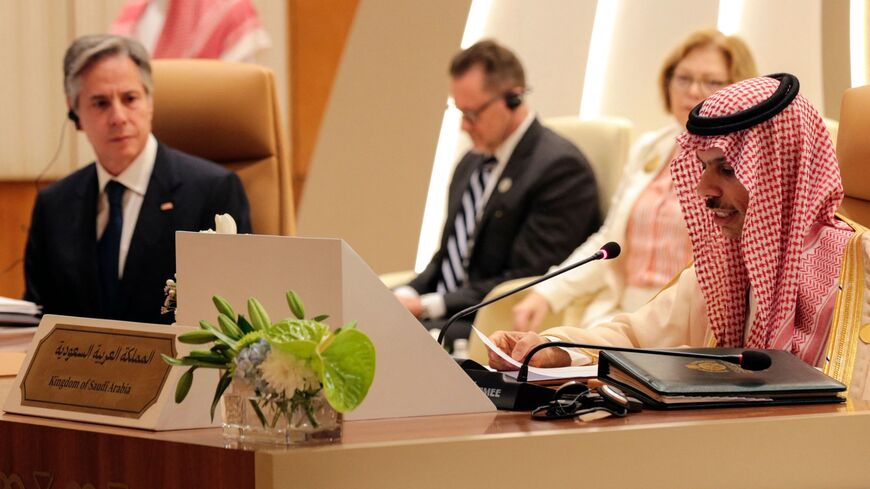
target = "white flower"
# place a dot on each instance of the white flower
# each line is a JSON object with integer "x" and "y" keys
{"x": 286, "y": 373}
{"x": 224, "y": 224}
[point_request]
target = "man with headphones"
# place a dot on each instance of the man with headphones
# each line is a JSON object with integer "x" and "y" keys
{"x": 102, "y": 240}
{"x": 520, "y": 200}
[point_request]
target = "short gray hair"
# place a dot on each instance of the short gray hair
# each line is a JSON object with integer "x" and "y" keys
{"x": 87, "y": 50}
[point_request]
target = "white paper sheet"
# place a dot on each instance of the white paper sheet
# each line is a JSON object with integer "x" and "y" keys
{"x": 17, "y": 306}
{"x": 536, "y": 373}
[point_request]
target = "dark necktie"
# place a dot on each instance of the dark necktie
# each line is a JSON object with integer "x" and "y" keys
{"x": 109, "y": 249}
{"x": 454, "y": 265}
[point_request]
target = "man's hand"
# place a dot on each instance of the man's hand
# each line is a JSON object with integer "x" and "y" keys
{"x": 412, "y": 304}
{"x": 530, "y": 312}
{"x": 517, "y": 344}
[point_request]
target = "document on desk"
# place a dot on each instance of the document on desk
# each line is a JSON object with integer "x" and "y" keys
{"x": 16, "y": 312}
{"x": 536, "y": 373}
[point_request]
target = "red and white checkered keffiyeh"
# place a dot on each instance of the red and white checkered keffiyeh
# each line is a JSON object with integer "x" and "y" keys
{"x": 791, "y": 246}
{"x": 226, "y": 29}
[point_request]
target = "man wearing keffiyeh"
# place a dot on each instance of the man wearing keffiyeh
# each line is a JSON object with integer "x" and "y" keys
{"x": 774, "y": 267}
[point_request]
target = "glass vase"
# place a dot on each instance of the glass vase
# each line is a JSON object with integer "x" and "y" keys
{"x": 305, "y": 419}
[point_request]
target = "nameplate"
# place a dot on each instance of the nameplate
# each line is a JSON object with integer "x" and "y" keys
{"x": 97, "y": 370}
{"x": 110, "y": 372}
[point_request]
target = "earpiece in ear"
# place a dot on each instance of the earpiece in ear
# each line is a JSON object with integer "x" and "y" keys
{"x": 71, "y": 115}
{"x": 513, "y": 100}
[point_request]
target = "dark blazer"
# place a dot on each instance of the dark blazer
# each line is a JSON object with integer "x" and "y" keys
{"x": 550, "y": 208}
{"x": 61, "y": 259}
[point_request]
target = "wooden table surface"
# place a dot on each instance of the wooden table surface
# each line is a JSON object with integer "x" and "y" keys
{"x": 775, "y": 446}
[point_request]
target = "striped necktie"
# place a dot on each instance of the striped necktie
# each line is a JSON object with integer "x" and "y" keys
{"x": 455, "y": 262}
{"x": 109, "y": 249}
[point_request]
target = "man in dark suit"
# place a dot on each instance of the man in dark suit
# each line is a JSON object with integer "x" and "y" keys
{"x": 520, "y": 201}
{"x": 102, "y": 240}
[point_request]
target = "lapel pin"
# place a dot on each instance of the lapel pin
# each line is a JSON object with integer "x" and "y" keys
{"x": 166, "y": 206}
{"x": 505, "y": 184}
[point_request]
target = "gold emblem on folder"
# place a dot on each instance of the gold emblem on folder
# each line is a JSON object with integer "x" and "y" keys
{"x": 711, "y": 366}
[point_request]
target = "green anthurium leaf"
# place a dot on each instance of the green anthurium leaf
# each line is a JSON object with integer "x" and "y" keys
{"x": 223, "y": 306}
{"x": 297, "y": 329}
{"x": 301, "y": 349}
{"x": 348, "y": 369}
{"x": 223, "y": 383}
{"x": 244, "y": 324}
{"x": 295, "y": 304}
{"x": 259, "y": 317}
{"x": 183, "y": 386}
{"x": 197, "y": 337}
{"x": 316, "y": 364}
{"x": 321, "y": 318}
{"x": 229, "y": 327}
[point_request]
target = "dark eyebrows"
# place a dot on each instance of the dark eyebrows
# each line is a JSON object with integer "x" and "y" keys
{"x": 719, "y": 160}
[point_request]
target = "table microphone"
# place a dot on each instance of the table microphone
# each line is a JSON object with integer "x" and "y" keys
{"x": 504, "y": 391}
{"x": 609, "y": 251}
{"x": 748, "y": 359}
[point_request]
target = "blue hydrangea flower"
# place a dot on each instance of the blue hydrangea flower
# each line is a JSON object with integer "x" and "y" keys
{"x": 247, "y": 362}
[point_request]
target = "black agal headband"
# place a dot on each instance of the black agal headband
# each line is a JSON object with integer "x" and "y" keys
{"x": 726, "y": 124}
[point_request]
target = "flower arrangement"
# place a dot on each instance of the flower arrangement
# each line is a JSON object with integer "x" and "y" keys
{"x": 287, "y": 364}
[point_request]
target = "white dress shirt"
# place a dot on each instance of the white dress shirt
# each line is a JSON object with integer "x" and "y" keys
{"x": 135, "y": 181}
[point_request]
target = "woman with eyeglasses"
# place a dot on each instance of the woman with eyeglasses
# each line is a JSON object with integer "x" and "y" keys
{"x": 644, "y": 214}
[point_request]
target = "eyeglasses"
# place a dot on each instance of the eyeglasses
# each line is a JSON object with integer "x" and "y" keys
{"x": 707, "y": 86}
{"x": 473, "y": 115}
{"x": 577, "y": 399}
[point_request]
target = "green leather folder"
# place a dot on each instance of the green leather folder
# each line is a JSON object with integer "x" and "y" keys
{"x": 667, "y": 382}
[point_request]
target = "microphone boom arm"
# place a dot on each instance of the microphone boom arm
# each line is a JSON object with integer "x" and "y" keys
{"x": 468, "y": 310}
{"x": 523, "y": 374}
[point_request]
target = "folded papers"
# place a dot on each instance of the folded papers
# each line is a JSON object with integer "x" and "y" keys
{"x": 17, "y": 312}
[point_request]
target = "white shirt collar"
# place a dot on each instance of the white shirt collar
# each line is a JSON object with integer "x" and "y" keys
{"x": 136, "y": 176}
{"x": 506, "y": 149}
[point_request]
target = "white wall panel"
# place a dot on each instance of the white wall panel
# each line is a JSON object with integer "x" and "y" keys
{"x": 33, "y": 36}
{"x": 645, "y": 32}
{"x": 786, "y": 35}
{"x": 371, "y": 165}
{"x": 552, "y": 40}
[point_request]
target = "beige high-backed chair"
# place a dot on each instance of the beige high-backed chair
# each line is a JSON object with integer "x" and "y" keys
{"x": 853, "y": 151}
{"x": 605, "y": 142}
{"x": 228, "y": 113}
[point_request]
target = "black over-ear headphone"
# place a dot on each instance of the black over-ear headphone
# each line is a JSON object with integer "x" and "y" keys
{"x": 513, "y": 99}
